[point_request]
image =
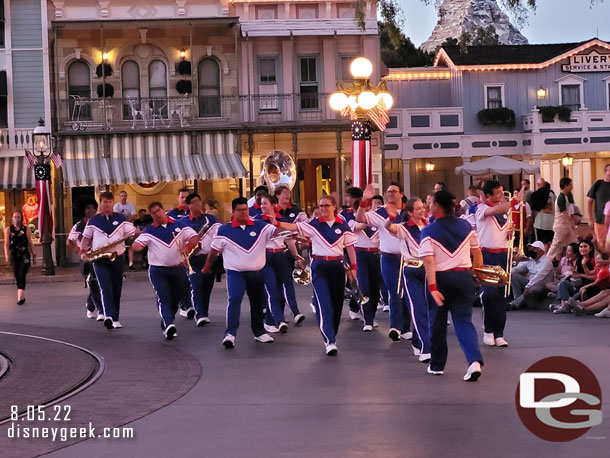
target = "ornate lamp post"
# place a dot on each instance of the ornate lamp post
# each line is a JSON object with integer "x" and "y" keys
{"x": 365, "y": 104}
{"x": 43, "y": 152}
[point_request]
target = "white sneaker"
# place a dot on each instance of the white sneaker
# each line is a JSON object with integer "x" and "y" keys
{"x": 91, "y": 314}
{"x": 270, "y": 328}
{"x": 604, "y": 313}
{"x": 375, "y": 324}
{"x": 488, "y": 339}
{"x": 356, "y": 316}
{"x": 425, "y": 357}
{"x": 386, "y": 308}
{"x": 283, "y": 328}
{"x": 264, "y": 338}
{"x": 117, "y": 325}
{"x": 100, "y": 317}
{"x": 367, "y": 328}
{"x": 380, "y": 306}
{"x": 473, "y": 373}
{"x": 500, "y": 342}
{"x": 228, "y": 341}
{"x": 394, "y": 334}
{"x": 331, "y": 349}
{"x": 430, "y": 371}
{"x": 313, "y": 309}
{"x": 170, "y": 332}
{"x": 416, "y": 351}
{"x": 202, "y": 321}
{"x": 298, "y": 319}
{"x": 407, "y": 335}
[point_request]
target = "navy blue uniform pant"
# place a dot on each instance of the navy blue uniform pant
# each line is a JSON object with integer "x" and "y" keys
{"x": 110, "y": 279}
{"x": 171, "y": 285}
{"x": 400, "y": 317}
{"x": 201, "y": 286}
{"x": 419, "y": 298}
{"x": 458, "y": 290}
{"x": 492, "y": 298}
{"x": 328, "y": 278}
{"x": 238, "y": 284}
{"x": 369, "y": 276}
{"x": 279, "y": 288}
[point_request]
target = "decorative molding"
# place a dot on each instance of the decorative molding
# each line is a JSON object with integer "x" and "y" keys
{"x": 66, "y": 61}
{"x": 142, "y": 12}
{"x": 104, "y": 10}
{"x": 143, "y": 33}
{"x": 180, "y": 8}
{"x": 208, "y": 49}
{"x": 77, "y": 52}
{"x": 59, "y": 8}
{"x": 222, "y": 60}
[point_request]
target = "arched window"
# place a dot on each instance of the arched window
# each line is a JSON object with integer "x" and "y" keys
{"x": 209, "y": 88}
{"x": 130, "y": 76}
{"x": 79, "y": 90}
{"x": 157, "y": 88}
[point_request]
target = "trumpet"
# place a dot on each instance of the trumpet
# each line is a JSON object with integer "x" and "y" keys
{"x": 411, "y": 263}
{"x": 103, "y": 252}
{"x": 285, "y": 235}
{"x": 354, "y": 288}
{"x": 301, "y": 273}
{"x": 514, "y": 253}
{"x": 491, "y": 276}
{"x": 185, "y": 256}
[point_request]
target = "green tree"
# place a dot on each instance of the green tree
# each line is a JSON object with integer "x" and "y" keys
{"x": 397, "y": 50}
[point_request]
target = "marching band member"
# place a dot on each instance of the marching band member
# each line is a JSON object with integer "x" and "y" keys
{"x": 367, "y": 257}
{"x": 105, "y": 228}
{"x": 254, "y": 208}
{"x": 493, "y": 231}
{"x": 94, "y": 300}
{"x": 167, "y": 242}
{"x": 182, "y": 211}
{"x": 242, "y": 244}
{"x": 384, "y": 301}
{"x": 206, "y": 226}
{"x": 414, "y": 278}
{"x": 400, "y": 319}
{"x": 446, "y": 246}
{"x": 329, "y": 235}
{"x": 277, "y": 273}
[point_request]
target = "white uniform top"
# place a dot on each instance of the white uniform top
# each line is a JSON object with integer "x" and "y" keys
{"x": 365, "y": 238}
{"x": 128, "y": 209}
{"x": 449, "y": 240}
{"x": 162, "y": 242}
{"x": 492, "y": 230}
{"x": 243, "y": 248}
{"x": 410, "y": 234}
{"x": 76, "y": 233}
{"x": 327, "y": 238}
{"x": 197, "y": 224}
{"x": 387, "y": 242}
{"x": 103, "y": 230}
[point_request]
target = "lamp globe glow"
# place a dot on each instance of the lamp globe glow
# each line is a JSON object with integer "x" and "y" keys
{"x": 388, "y": 101}
{"x": 361, "y": 68}
{"x": 338, "y": 101}
{"x": 367, "y": 100}
{"x": 352, "y": 102}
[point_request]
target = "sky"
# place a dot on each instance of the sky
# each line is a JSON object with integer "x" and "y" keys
{"x": 554, "y": 21}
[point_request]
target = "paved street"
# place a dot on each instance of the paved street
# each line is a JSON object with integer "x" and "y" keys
{"x": 191, "y": 397}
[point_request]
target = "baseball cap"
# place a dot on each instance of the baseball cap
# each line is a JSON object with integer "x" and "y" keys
{"x": 537, "y": 244}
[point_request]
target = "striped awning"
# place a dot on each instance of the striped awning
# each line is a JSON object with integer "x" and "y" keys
{"x": 15, "y": 174}
{"x": 154, "y": 157}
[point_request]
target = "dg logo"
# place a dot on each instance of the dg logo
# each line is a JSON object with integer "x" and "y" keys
{"x": 559, "y": 399}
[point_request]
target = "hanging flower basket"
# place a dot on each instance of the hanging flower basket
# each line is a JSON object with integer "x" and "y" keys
{"x": 498, "y": 116}
{"x": 184, "y": 87}
{"x": 105, "y": 89}
{"x": 107, "y": 70}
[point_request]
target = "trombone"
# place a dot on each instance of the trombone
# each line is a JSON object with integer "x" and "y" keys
{"x": 514, "y": 253}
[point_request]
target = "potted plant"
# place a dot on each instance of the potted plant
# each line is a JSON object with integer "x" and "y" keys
{"x": 184, "y": 87}
{"x": 549, "y": 112}
{"x": 107, "y": 68}
{"x": 105, "y": 89}
{"x": 500, "y": 116}
{"x": 184, "y": 67}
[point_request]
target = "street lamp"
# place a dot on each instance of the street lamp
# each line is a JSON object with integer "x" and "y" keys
{"x": 429, "y": 166}
{"x": 364, "y": 103}
{"x": 566, "y": 161}
{"x": 43, "y": 152}
{"x": 541, "y": 92}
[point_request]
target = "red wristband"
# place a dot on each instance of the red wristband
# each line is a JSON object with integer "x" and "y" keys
{"x": 354, "y": 267}
{"x": 277, "y": 224}
{"x": 433, "y": 287}
{"x": 365, "y": 203}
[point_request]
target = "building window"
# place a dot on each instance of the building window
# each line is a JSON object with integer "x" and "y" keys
{"x": 266, "y": 12}
{"x": 209, "y": 88}
{"x": 157, "y": 88}
{"x": 130, "y": 75}
{"x": 570, "y": 96}
{"x": 345, "y": 11}
{"x": 3, "y": 100}
{"x": 494, "y": 96}
{"x": 309, "y": 83}
{"x": 79, "y": 90}
{"x": 344, "y": 73}
{"x": 267, "y": 87}
{"x": 307, "y": 11}
{"x": 1, "y": 23}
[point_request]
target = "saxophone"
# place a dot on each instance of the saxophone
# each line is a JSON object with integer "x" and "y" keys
{"x": 490, "y": 275}
{"x": 104, "y": 251}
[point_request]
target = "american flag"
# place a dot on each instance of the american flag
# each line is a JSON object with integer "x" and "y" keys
{"x": 55, "y": 159}
{"x": 362, "y": 173}
{"x": 30, "y": 158}
{"x": 42, "y": 172}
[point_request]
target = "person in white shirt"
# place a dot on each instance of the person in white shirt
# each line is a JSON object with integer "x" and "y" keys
{"x": 167, "y": 240}
{"x": 129, "y": 211}
{"x": 529, "y": 278}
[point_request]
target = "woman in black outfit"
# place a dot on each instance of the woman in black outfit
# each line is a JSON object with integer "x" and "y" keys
{"x": 19, "y": 252}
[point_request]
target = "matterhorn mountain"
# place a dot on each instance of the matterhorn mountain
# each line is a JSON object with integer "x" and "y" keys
{"x": 459, "y": 16}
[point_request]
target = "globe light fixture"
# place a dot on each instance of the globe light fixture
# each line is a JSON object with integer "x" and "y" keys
{"x": 387, "y": 98}
{"x": 41, "y": 138}
{"x": 361, "y": 68}
{"x": 429, "y": 166}
{"x": 367, "y": 100}
{"x": 105, "y": 57}
{"x": 338, "y": 101}
{"x": 567, "y": 160}
{"x": 182, "y": 54}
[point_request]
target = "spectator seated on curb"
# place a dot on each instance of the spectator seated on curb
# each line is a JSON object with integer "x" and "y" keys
{"x": 529, "y": 278}
{"x": 583, "y": 275}
{"x": 566, "y": 267}
{"x": 599, "y": 301}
